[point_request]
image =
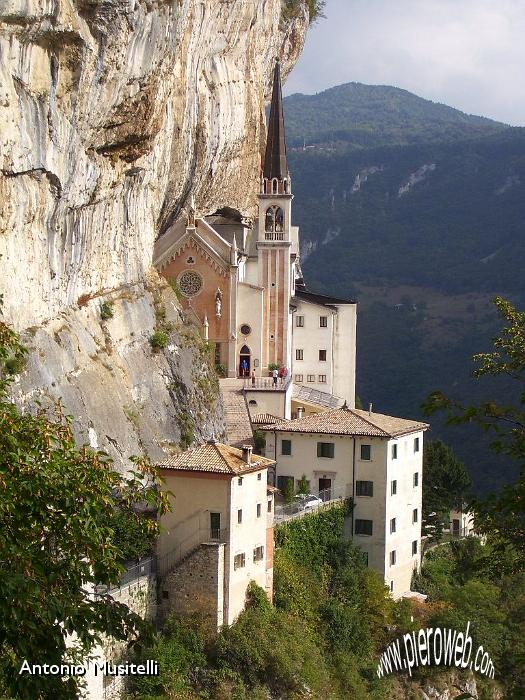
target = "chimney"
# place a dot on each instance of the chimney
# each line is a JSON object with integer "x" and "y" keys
{"x": 300, "y": 411}
{"x": 369, "y": 409}
{"x": 247, "y": 453}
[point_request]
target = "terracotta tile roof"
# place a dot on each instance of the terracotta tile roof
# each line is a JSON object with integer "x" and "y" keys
{"x": 265, "y": 419}
{"x": 217, "y": 458}
{"x": 346, "y": 421}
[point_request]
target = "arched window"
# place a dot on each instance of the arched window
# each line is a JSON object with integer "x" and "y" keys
{"x": 285, "y": 186}
{"x": 274, "y": 185}
{"x": 268, "y": 222}
{"x": 279, "y": 220}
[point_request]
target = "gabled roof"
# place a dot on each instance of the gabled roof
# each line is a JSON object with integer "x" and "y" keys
{"x": 217, "y": 458}
{"x": 204, "y": 235}
{"x": 265, "y": 418}
{"x": 275, "y": 161}
{"x": 321, "y": 299}
{"x": 351, "y": 421}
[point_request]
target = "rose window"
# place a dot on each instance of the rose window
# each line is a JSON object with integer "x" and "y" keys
{"x": 190, "y": 283}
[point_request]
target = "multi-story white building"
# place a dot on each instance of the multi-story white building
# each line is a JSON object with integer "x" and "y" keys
{"x": 219, "y": 534}
{"x": 324, "y": 348}
{"x": 374, "y": 459}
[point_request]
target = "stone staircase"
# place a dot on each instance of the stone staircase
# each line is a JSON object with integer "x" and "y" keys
{"x": 238, "y": 424}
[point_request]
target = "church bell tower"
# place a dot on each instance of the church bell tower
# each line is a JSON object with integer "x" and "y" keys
{"x": 274, "y": 241}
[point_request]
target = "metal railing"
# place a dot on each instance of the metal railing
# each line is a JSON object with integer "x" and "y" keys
{"x": 266, "y": 383}
{"x": 144, "y": 567}
{"x": 186, "y": 547}
{"x": 297, "y": 509}
{"x": 274, "y": 236}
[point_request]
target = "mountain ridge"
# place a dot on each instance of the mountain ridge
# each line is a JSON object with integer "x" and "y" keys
{"x": 364, "y": 115}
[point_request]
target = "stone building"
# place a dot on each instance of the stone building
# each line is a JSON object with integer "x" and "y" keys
{"x": 374, "y": 459}
{"x": 219, "y": 534}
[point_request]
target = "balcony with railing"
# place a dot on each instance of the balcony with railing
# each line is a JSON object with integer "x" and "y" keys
{"x": 266, "y": 383}
{"x": 274, "y": 236}
{"x": 326, "y": 498}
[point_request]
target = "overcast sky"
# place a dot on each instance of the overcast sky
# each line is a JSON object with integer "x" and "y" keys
{"x": 469, "y": 54}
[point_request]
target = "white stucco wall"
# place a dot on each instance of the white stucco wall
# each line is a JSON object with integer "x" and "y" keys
{"x": 381, "y": 469}
{"x": 244, "y": 538}
{"x": 338, "y": 338}
{"x": 344, "y": 353}
{"x": 250, "y": 311}
{"x": 194, "y": 497}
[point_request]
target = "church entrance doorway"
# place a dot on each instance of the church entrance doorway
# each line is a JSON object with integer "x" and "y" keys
{"x": 245, "y": 364}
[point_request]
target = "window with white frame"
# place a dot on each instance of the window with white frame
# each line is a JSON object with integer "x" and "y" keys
{"x": 299, "y": 321}
{"x": 299, "y": 354}
{"x": 258, "y": 553}
{"x": 299, "y": 378}
{"x": 322, "y": 379}
{"x": 323, "y": 321}
{"x": 310, "y": 378}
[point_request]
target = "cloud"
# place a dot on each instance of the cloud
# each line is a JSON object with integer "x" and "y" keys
{"x": 469, "y": 54}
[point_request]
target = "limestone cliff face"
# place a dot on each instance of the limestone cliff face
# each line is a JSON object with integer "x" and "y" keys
{"x": 112, "y": 114}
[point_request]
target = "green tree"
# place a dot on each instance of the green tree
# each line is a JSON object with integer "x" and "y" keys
{"x": 57, "y": 540}
{"x": 501, "y": 517}
{"x": 445, "y": 486}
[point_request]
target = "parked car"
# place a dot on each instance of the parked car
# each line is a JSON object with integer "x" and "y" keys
{"x": 307, "y": 501}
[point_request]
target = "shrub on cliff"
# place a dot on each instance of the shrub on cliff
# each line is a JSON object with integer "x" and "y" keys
{"x": 57, "y": 540}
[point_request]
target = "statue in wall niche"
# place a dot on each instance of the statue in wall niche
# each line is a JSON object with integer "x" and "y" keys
{"x": 218, "y": 303}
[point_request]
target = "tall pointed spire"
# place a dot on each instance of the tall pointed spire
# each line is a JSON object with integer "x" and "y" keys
{"x": 275, "y": 161}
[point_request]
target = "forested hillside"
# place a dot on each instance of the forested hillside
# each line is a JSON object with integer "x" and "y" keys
{"x": 424, "y": 229}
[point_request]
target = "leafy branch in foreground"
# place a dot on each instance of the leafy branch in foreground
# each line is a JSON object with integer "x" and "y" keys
{"x": 500, "y": 516}
{"x": 58, "y": 520}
